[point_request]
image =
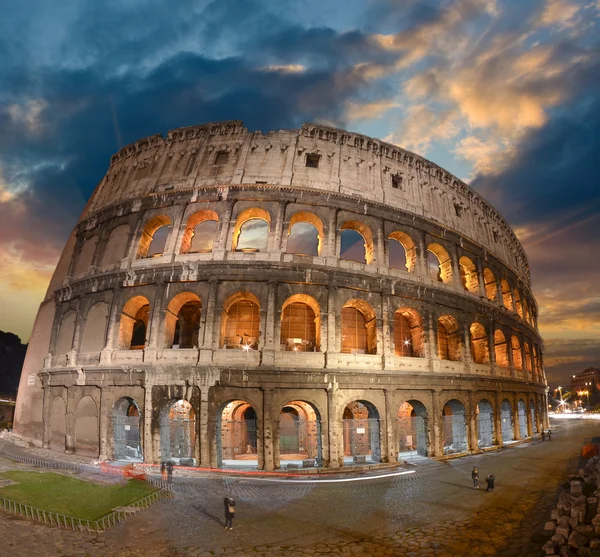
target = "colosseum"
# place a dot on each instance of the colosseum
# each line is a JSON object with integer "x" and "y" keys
{"x": 308, "y": 297}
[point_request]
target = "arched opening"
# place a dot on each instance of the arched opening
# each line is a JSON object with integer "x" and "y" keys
{"x": 178, "y": 433}
{"x": 254, "y": 236}
{"x": 251, "y": 232}
{"x": 361, "y": 433}
{"x": 134, "y": 324}
{"x": 115, "y": 247}
{"x": 356, "y": 242}
{"x": 86, "y": 256}
{"x": 402, "y": 252}
{"x": 305, "y": 234}
{"x": 64, "y": 342}
{"x": 500, "y": 349}
{"x": 506, "y": 417}
{"x": 300, "y": 324}
{"x": 507, "y": 300}
{"x": 87, "y": 436}
{"x": 468, "y": 275}
{"x": 359, "y": 334}
{"x": 522, "y": 412}
{"x": 412, "y": 430}
{"x": 237, "y": 435}
{"x": 527, "y": 362}
{"x": 182, "y": 321}
{"x": 534, "y": 423}
{"x": 126, "y": 430}
{"x": 485, "y": 424}
{"x": 518, "y": 304}
{"x": 154, "y": 237}
{"x": 58, "y": 425}
{"x": 479, "y": 344}
{"x": 408, "y": 334}
{"x": 200, "y": 231}
{"x": 454, "y": 427}
{"x": 300, "y": 433}
{"x": 240, "y": 328}
{"x": 448, "y": 337}
{"x": 94, "y": 331}
{"x": 515, "y": 346}
{"x": 491, "y": 287}
{"x": 440, "y": 266}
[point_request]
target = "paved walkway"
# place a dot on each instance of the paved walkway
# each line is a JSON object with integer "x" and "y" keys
{"x": 433, "y": 512}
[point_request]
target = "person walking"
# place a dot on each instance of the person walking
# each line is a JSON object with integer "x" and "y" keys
{"x": 163, "y": 471}
{"x": 490, "y": 482}
{"x": 549, "y": 435}
{"x": 475, "y": 477}
{"x": 543, "y": 435}
{"x": 229, "y": 504}
{"x": 169, "y": 467}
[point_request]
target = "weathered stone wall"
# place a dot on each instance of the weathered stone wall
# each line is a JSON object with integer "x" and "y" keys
{"x": 82, "y": 343}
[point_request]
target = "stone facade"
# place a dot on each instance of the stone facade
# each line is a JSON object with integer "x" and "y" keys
{"x": 208, "y": 308}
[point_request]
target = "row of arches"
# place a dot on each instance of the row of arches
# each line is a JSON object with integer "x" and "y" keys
{"x": 306, "y": 235}
{"x": 300, "y": 330}
{"x": 298, "y": 432}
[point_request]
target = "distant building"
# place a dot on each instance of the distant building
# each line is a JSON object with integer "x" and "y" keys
{"x": 586, "y": 385}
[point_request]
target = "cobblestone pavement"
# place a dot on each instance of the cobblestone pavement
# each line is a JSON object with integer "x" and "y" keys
{"x": 432, "y": 512}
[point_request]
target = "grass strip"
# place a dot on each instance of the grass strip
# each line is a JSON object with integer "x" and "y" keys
{"x": 71, "y": 496}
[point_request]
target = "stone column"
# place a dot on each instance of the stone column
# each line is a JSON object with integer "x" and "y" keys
{"x": 473, "y": 437}
{"x": 46, "y": 412}
{"x": 204, "y": 432}
{"x": 114, "y": 324}
{"x": 480, "y": 279}
{"x": 380, "y": 259}
{"x": 498, "y": 419}
{"x": 70, "y": 423}
{"x": 492, "y": 348}
{"x": 221, "y": 246}
{"x": 208, "y": 341}
{"x": 516, "y": 421}
{"x": 529, "y": 420}
{"x": 432, "y": 351}
{"x": 387, "y": 355}
{"x": 455, "y": 265}
{"x": 438, "y": 443}
{"x": 330, "y": 242}
{"x": 268, "y": 459}
{"x": 150, "y": 455}
{"x": 156, "y": 323}
{"x": 333, "y": 430}
{"x": 103, "y": 417}
{"x": 467, "y": 355}
{"x": 499, "y": 297}
{"x": 268, "y": 348}
{"x": 332, "y": 346}
{"x": 278, "y": 229}
{"x": 390, "y": 454}
{"x": 511, "y": 362}
{"x": 421, "y": 269}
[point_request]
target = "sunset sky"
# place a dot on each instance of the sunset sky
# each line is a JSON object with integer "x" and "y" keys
{"x": 505, "y": 95}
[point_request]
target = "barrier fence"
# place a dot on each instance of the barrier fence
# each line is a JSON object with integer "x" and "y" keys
{"x": 165, "y": 490}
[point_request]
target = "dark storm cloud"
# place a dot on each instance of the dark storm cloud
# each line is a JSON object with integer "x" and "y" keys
{"x": 565, "y": 358}
{"x": 87, "y": 108}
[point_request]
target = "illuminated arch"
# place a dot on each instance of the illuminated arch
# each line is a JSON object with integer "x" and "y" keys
{"x": 410, "y": 251}
{"x": 301, "y": 320}
{"x": 468, "y": 275}
{"x": 243, "y": 218}
{"x": 408, "y": 333}
{"x": 518, "y": 304}
{"x": 133, "y": 328}
{"x": 479, "y": 344}
{"x": 500, "y": 348}
{"x": 148, "y": 233}
{"x": 359, "y": 332}
{"x": 365, "y": 232}
{"x": 491, "y": 286}
{"x": 188, "y": 244}
{"x": 506, "y": 295}
{"x": 449, "y": 345}
{"x": 182, "y": 320}
{"x": 240, "y": 323}
{"x": 517, "y": 355}
{"x": 307, "y": 218}
{"x": 443, "y": 273}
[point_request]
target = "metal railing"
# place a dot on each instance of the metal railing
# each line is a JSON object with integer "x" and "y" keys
{"x": 164, "y": 490}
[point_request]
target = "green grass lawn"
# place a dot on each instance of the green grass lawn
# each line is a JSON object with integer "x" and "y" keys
{"x": 71, "y": 496}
